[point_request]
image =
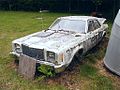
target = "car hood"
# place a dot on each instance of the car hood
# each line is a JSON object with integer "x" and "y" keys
{"x": 50, "y": 39}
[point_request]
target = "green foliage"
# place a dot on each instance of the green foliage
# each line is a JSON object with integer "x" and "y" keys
{"x": 47, "y": 70}
{"x": 41, "y": 78}
{"x": 14, "y": 25}
{"x": 56, "y": 5}
{"x": 97, "y": 2}
{"x": 87, "y": 70}
{"x": 102, "y": 83}
{"x": 97, "y": 81}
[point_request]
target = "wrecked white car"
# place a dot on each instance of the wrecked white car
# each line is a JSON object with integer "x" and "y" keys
{"x": 57, "y": 45}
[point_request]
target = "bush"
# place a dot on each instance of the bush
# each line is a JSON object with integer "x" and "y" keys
{"x": 47, "y": 70}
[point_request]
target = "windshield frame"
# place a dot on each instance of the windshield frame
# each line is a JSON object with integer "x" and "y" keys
{"x": 71, "y": 29}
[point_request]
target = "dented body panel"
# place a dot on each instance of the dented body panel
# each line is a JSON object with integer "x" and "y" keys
{"x": 58, "y": 47}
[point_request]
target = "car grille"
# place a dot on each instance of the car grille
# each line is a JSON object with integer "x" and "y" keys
{"x": 32, "y": 52}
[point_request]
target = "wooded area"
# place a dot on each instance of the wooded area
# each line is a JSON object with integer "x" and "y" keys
{"x": 60, "y": 5}
{"x": 109, "y": 7}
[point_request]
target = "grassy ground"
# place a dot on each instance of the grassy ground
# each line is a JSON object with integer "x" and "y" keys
{"x": 88, "y": 75}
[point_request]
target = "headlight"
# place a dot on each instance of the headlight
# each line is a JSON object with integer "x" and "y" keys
{"x": 50, "y": 55}
{"x": 17, "y": 48}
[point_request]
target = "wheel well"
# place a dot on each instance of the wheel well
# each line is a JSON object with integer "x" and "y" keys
{"x": 74, "y": 59}
{"x": 80, "y": 51}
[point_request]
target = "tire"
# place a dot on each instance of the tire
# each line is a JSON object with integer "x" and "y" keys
{"x": 76, "y": 60}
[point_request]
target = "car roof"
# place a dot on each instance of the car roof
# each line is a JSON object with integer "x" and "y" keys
{"x": 85, "y": 18}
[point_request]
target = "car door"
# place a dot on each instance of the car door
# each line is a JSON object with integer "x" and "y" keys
{"x": 99, "y": 29}
{"x": 92, "y": 34}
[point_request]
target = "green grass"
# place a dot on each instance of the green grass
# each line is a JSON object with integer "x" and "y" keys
{"x": 14, "y": 25}
{"x": 87, "y": 70}
{"x": 97, "y": 81}
{"x": 17, "y": 24}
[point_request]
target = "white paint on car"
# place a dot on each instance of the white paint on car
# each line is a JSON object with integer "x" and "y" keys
{"x": 60, "y": 43}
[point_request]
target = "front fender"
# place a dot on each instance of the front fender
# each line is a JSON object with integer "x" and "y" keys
{"x": 71, "y": 53}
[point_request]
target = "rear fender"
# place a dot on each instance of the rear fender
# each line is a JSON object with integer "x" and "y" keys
{"x": 101, "y": 20}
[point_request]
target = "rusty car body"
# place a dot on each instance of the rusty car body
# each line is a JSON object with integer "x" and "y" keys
{"x": 58, "y": 45}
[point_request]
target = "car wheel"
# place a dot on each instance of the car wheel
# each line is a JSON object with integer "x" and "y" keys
{"x": 76, "y": 60}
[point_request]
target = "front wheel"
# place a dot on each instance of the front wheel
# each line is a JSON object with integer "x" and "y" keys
{"x": 76, "y": 59}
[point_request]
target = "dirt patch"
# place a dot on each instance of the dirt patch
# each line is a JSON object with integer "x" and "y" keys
{"x": 66, "y": 78}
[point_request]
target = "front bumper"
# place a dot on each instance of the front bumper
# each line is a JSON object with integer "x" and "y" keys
{"x": 57, "y": 68}
{"x": 14, "y": 53}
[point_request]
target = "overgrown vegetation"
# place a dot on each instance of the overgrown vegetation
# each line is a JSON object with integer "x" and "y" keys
{"x": 84, "y": 76}
{"x": 47, "y": 70}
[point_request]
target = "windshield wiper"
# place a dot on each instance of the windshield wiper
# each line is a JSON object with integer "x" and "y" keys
{"x": 51, "y": 30}
{"x": 63, "y": 30}
{"x": 72, "y": 32}
{"x": 47, "y": 30}
{"x": 60, "y": 30}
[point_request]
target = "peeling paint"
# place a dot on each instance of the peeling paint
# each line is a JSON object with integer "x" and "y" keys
{"x": 63, "y": 42}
